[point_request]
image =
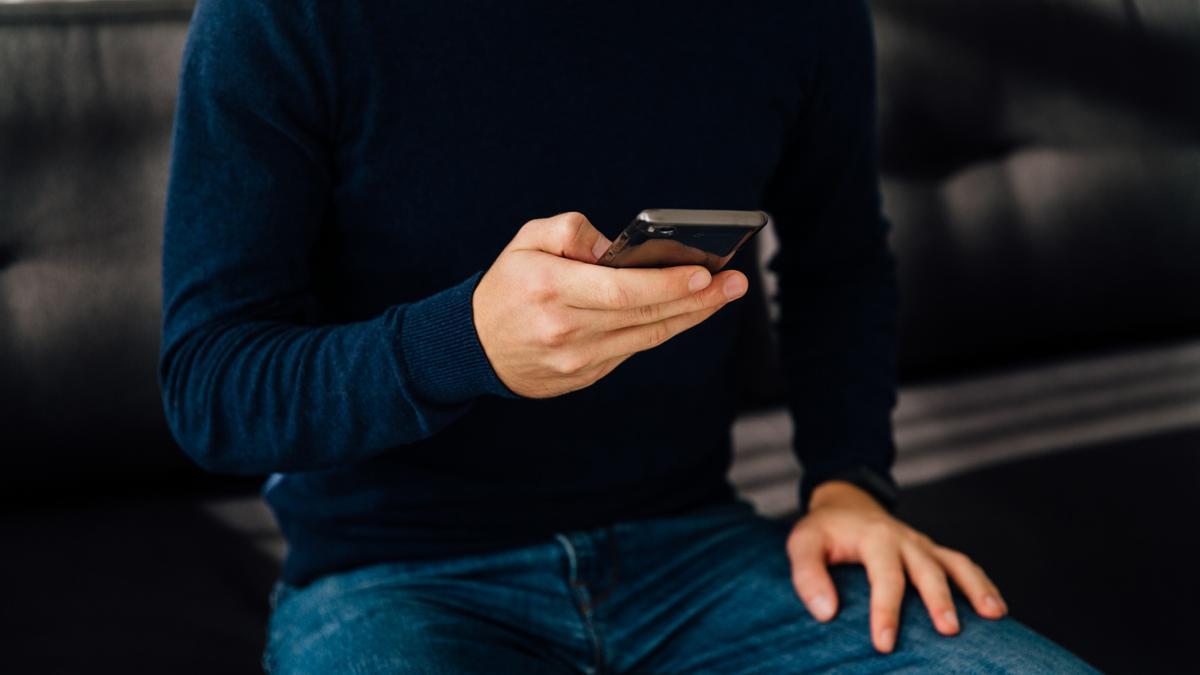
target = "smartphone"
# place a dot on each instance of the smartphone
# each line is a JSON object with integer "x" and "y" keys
{"x": 667, "y": 237}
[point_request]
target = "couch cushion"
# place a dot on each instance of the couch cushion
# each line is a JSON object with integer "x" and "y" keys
{"x": 152, "y": 584}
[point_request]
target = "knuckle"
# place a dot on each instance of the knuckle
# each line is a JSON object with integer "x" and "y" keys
{"x": 568, "y": 224}
{"x": 957, "y": 557}
{"x": 567, "y": 363}
{"x": 922, "y": 539}
{"x": 531, "y": 225}
{"x": 541, "y": 285}
{"x": 564, "y": 230}
{"x": 647, "y": 313}
{"x": 881, "y": 529}
{"x": 657, "y": 334}
{"x": 885, "y": 609}
{"x": 799, "y": 535}
{"x": 699, "y": 301}
{"x": 930, "y": 578}
{"x": 573, "y": 218}
{"x": 806, "y": 575}
{"x": 891, "y": 576}
{"x": 615, "y": 295}
{"x": 554, "y": 331}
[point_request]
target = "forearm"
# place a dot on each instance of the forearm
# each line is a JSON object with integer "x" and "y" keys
{"x": 837, "y": 281}
{"x": 247, "y": 395}
{"x": 839, "y": 357}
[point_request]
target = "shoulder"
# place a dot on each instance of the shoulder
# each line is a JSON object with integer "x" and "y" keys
{"x": 258, "y": 19}
{"x": 261, "y": 35}
{"x": 255, "y": 59}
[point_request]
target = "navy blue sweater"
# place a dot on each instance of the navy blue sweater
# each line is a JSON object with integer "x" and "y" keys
{"x": 343, "y": 173}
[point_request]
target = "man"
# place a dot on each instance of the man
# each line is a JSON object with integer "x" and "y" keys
{"x": 488, "y": 453}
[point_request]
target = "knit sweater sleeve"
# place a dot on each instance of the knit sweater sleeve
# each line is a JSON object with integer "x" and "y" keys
{"x": 837, "y": 284}
{"x": 252, "y": 380}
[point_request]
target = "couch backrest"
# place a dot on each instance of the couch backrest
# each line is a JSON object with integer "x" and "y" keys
{"x": 86, "y": 105}
{"x": 1041, "y": 167}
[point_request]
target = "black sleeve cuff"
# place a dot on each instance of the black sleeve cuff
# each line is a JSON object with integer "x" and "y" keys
{"x": 881, "y": 486}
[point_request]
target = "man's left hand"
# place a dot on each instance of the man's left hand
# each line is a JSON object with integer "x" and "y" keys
{"x": 845, "y": 524}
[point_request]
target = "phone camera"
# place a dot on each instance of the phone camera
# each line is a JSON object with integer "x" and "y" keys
{"x": 661, "y": 231}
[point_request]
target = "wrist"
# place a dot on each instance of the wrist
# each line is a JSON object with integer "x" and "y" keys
{"x": 842, "y": 493}
{"x": 439, "y": 348}
{"x": 878, "y": 485}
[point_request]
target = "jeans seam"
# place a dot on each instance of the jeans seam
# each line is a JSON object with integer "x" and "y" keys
{"x": 613, "y": 569}
{"x": 583, "y": 603}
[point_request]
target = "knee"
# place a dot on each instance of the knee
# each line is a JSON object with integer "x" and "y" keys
{"x": 991, "y": 645}
{"x": 1002, "y": 645}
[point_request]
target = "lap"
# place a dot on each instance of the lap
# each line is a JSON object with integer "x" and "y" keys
{"x": 738, "y": 613}
{"x": 388, "y": 620}
{"x": 760, "y": 627}
{"x": 398, "y": 639}
{"x": 709, "y": 592}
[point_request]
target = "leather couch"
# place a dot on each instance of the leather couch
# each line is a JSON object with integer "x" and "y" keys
{"x": 1042, "y": 171}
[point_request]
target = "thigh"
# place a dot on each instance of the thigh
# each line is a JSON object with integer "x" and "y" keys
{"x": 981, "y": 646}
{"x": 731, "y": 608}
{"x": 378, "y": 624}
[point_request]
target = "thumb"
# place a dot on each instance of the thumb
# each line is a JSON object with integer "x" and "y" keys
{"x": 567, "y": 235}
{"x": 810, "y": 576}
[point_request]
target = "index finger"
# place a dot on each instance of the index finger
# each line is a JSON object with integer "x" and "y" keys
{"x": 586, "y": 286}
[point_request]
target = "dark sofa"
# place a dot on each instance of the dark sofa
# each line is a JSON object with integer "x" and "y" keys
{"x": 1042, "y": 171}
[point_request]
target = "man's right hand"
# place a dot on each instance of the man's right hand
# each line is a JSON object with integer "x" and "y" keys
{"x": 551, "y": 321}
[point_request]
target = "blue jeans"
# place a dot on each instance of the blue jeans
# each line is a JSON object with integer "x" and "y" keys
{"x": 709, "y": 591}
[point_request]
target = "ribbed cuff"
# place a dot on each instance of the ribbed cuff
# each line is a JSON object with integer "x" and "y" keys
{"x": 440, "y": 349}
{"x": 881, "y": 486}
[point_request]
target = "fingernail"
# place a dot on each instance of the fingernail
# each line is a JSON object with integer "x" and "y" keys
{"x": 822, "y": 607}
{"x": 992, "y": 603}
{"x": 735, "y": 286}
{"x": 699, "y": 280}
{"x": 887, "y": 638}
{"x": 951, "y": 618}
{"x": 601, "y": 245}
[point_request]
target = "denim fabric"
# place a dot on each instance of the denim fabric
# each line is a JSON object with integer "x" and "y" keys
{"x": 705, "y": 592}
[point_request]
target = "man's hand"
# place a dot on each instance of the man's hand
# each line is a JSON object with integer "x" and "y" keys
{"x": 845, "y": 524}
{"x": 551, "y": 321}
